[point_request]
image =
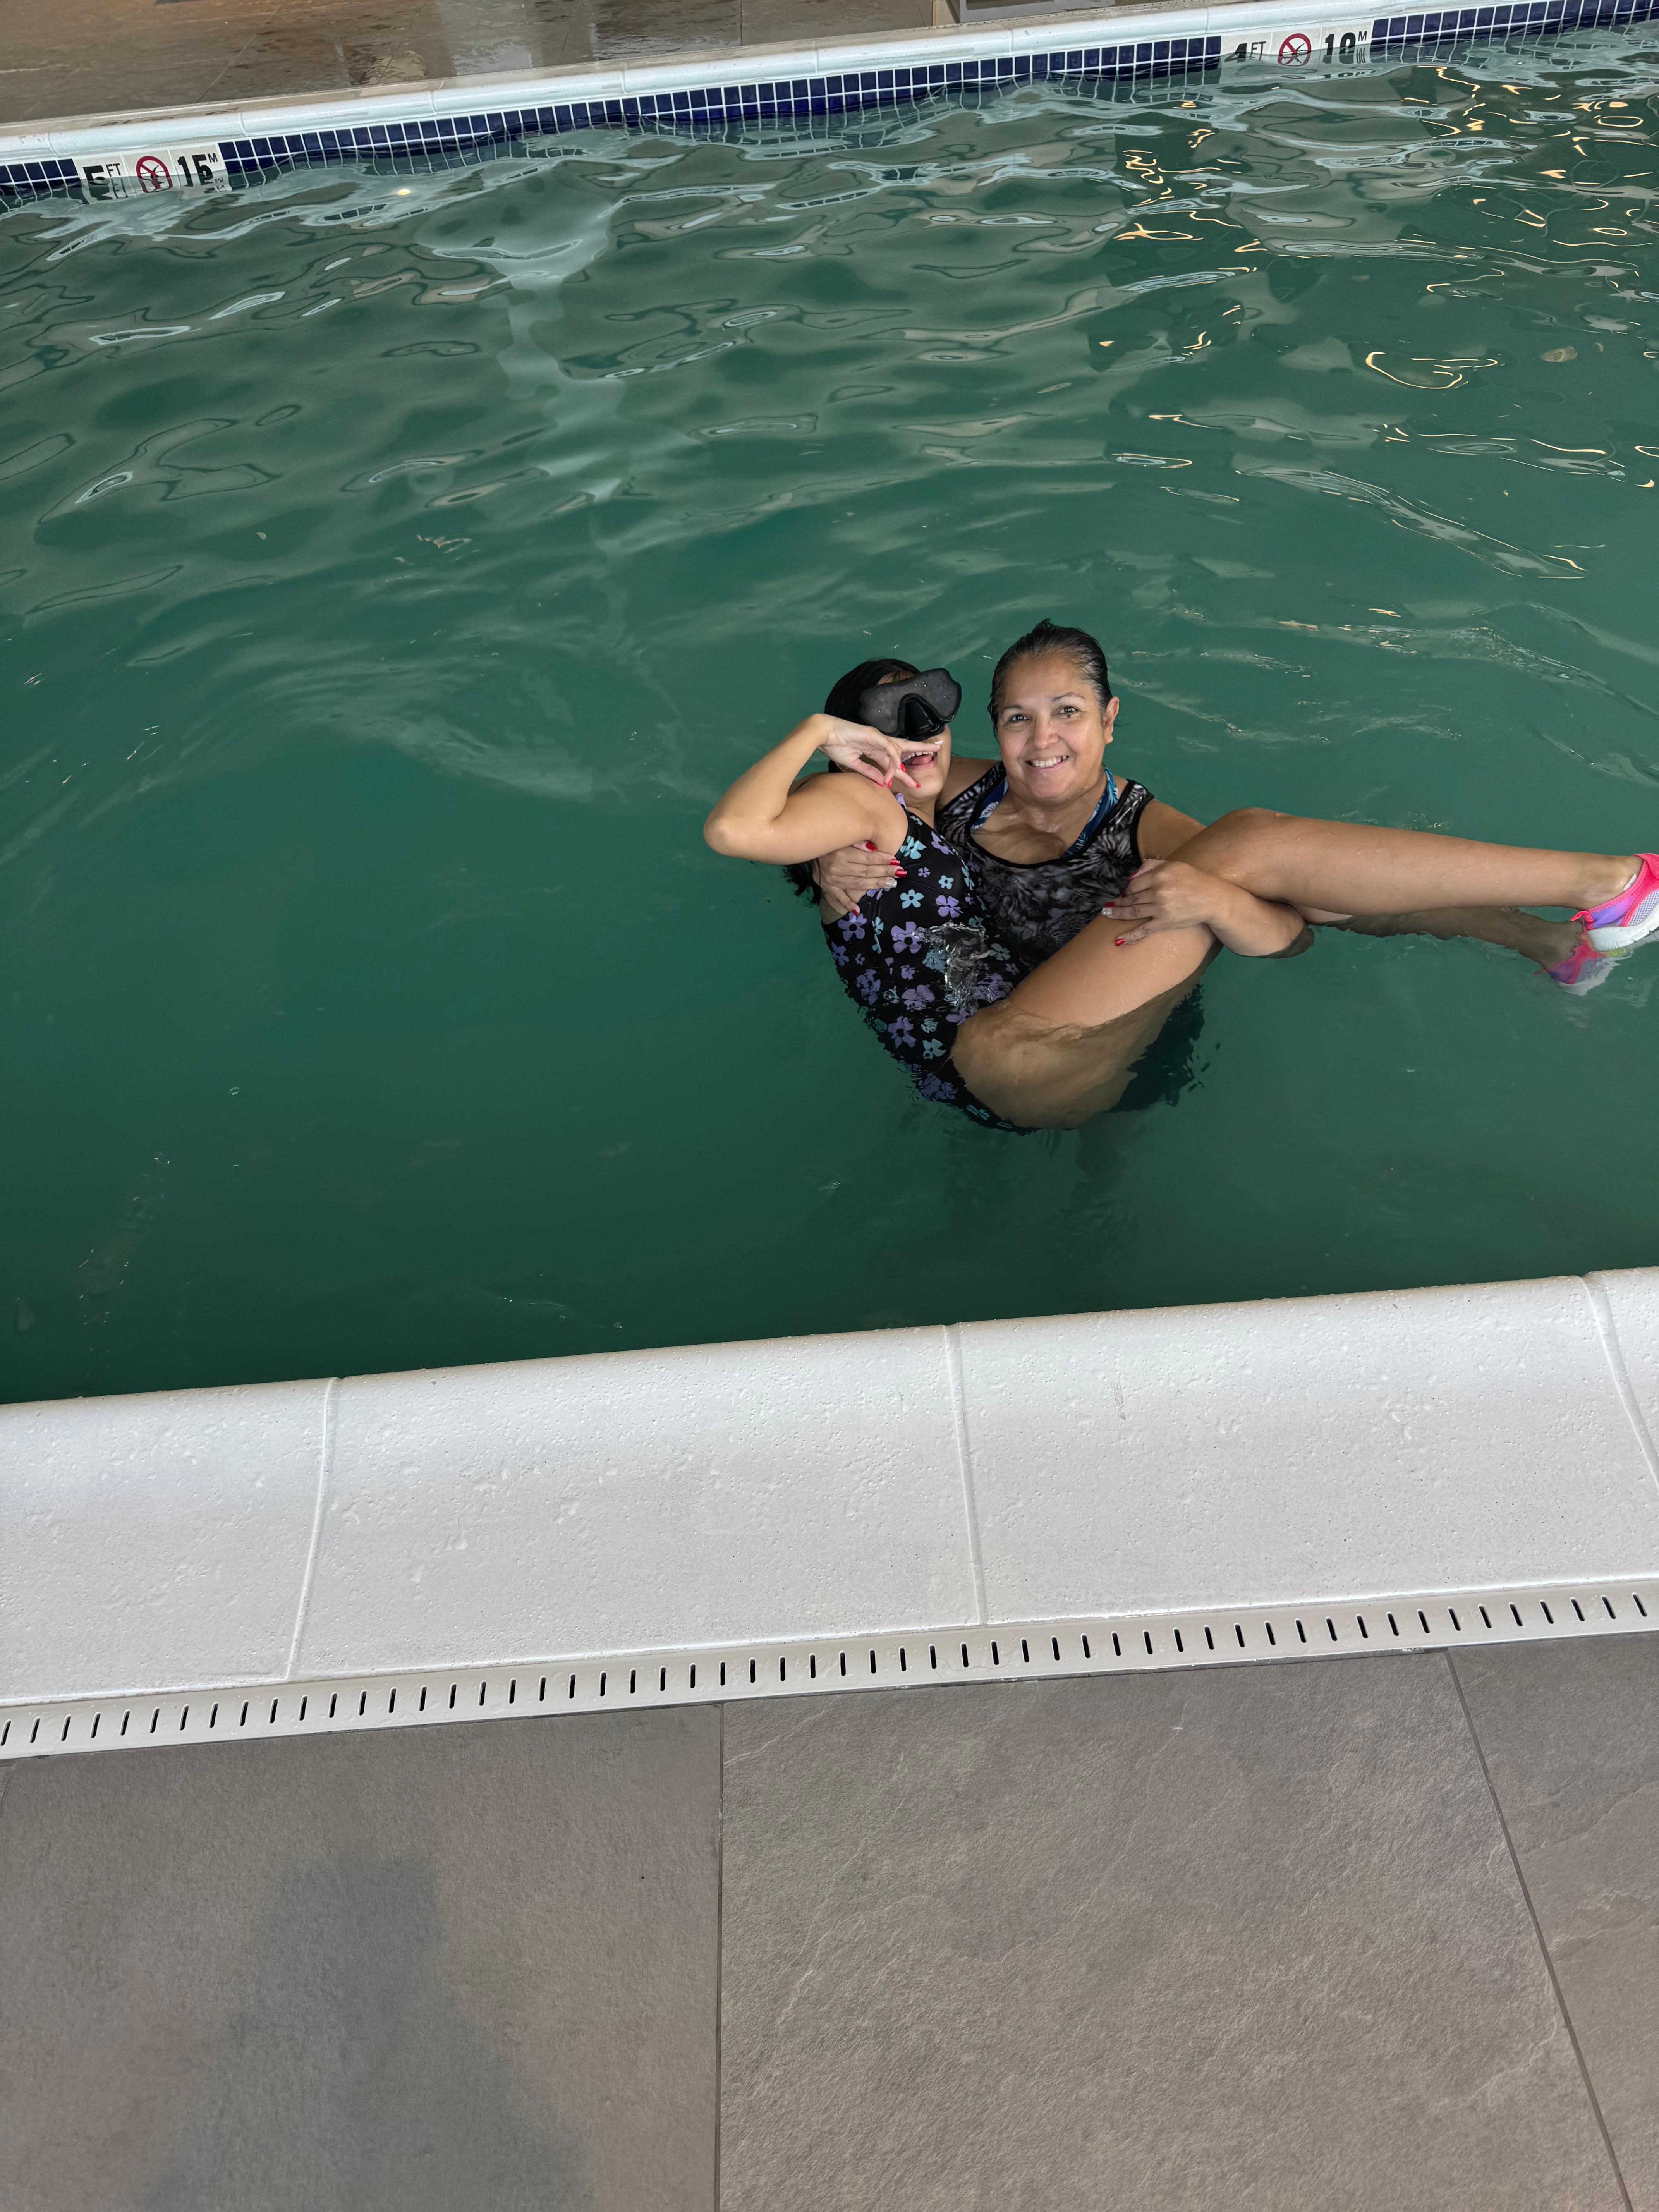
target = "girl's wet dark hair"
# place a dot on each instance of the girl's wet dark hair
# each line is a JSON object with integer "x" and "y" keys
{"x": 845, "y": 693}
{"x": 1077, "y": 645}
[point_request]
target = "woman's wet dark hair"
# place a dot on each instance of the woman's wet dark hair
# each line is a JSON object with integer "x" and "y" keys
{"x": 1077, "y": 645}
{"x": 845, "y": 693}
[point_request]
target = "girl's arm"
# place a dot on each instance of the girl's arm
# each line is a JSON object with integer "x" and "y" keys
{"x": 843, "y": 877}
{"x": 762, "y": 818}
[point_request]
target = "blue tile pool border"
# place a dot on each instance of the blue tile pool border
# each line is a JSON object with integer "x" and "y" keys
{"x": 251, "y": 154}
{"x": 34, "y": 162}
{"x": 763, "y": 101}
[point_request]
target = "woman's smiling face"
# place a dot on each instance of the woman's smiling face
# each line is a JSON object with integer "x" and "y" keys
{"x": 1052, "y": 729}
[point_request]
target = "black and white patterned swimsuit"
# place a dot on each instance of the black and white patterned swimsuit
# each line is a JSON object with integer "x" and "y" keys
{"x": 1037, "y": 906}
{"x": 918, "y": 960}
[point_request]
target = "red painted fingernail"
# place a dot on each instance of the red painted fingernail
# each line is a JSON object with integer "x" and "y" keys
{"x": 1117, "y": 940}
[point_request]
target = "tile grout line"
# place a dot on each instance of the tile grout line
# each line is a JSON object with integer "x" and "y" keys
{"x": 324, "y": 1475}
{"x": 1538, "y": 1930}
{"x": 1606, "y": 1328}
{"x": 720, "y": 1956}
{"x": 965, "y": 1463}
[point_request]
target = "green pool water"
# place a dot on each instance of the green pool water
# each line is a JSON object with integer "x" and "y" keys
{"x": 394, "y": 569}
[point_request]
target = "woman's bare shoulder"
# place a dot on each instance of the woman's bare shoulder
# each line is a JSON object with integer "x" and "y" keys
{"x": 962, "y": 772}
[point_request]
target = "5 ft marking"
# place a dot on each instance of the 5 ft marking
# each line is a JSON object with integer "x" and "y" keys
{"x": 189, "y": 168}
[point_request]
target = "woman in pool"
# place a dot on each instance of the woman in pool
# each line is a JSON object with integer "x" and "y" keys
{"x": 1054, "y": 842}
{"x": 917, "y": 956}
{"x": 1051, "y": 1044}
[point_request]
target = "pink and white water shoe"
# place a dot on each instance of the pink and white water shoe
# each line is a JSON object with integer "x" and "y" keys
{"x": 1627, "y": 920}
{"x": 1611, "y": 931}
{"x": 1584, "y": 968}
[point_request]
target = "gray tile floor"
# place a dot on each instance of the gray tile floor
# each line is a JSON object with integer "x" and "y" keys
{"x": 1341, "y": 1934}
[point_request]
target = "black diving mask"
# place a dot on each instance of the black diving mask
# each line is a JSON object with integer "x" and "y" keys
{"x": 920, "y": 707}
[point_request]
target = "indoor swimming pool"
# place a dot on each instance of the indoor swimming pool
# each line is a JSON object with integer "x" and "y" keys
{"x": 393, "y": 568}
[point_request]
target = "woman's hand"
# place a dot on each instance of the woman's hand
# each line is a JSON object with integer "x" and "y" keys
{"x": 845, "y": 876}
{"x": 1174, "y": 894}
{"x": 867, "y": 752}
{"x": 1166, "y": 895}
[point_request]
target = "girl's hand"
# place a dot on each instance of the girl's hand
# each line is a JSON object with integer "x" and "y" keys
{"x": 867, "y": 752}
{"x": 1167, "y": 894}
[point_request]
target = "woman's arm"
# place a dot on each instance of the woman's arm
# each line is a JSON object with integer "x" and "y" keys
{"x": 1259, "y": 931}
{"x": 762, "y": 818}
{"x": 1172, "y": 895}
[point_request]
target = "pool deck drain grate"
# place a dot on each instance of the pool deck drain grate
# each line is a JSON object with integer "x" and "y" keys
{"x": 912, "y": 1659}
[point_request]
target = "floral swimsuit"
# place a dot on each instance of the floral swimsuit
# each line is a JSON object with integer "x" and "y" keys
{"x": 919, "y": 959}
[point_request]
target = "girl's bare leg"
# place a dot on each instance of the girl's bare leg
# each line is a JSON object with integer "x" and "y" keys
{"x": 1338, "y": 869}
{"x": 1547, "y": 943}
{"x": 1061, "y": 1046}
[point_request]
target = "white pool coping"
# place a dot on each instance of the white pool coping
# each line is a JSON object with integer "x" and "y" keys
{"x": 1382, "y": 1471}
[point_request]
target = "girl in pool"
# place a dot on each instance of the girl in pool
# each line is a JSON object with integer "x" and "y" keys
{"x": 917, "y": 955}
{"x": 1048, "y": 1043}
{"x": 1053, "y": 838}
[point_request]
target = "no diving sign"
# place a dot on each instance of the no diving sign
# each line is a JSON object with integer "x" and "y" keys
{"x": 173, "y": 168}
{"x": 1328, "y": 46}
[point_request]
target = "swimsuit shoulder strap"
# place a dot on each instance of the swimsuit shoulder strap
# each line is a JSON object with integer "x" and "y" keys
{"x": 994, "y": 785}
{"x": 1108, "y": 806}
{"x": 968, "y": 805}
